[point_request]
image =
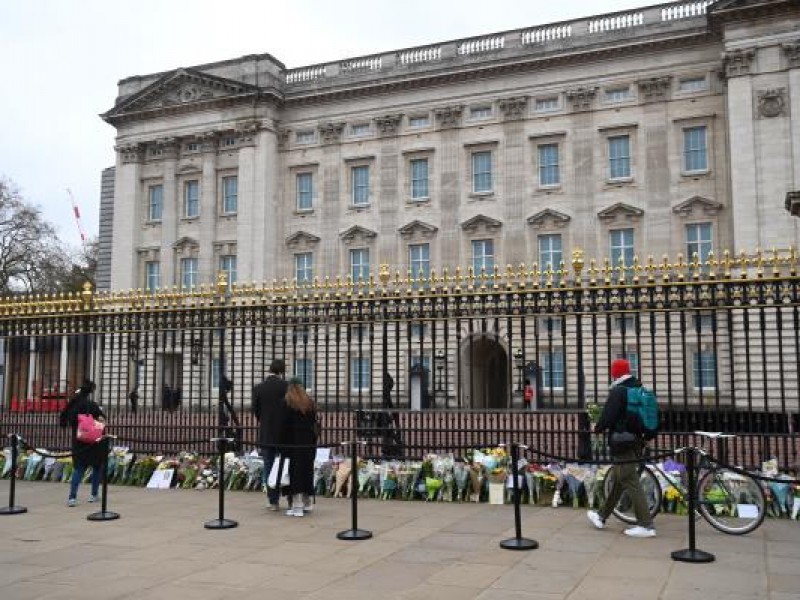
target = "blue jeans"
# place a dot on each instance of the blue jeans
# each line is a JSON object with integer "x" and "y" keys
{"x": 269, "y": 453}
{"x": 77, "y": 476}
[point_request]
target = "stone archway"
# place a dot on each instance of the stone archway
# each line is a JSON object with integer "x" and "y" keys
{"x": 484, "y": 371}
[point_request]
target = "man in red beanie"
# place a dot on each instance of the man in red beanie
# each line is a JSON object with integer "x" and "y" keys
{"x": 626, "y": 443}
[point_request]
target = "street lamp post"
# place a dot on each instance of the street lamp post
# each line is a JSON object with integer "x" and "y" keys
{"x": 439, "y": 359}
{"x": 519, "y": 362}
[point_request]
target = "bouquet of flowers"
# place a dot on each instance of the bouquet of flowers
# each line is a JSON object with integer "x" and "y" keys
{"x": 673, "y": 500}
{"x": 142, "y": 470}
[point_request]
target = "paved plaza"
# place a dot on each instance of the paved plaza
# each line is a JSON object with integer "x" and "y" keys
{"x": 160, "y": 549}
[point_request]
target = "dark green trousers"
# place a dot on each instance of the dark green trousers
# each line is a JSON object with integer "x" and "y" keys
{"x": 626, "y": 479}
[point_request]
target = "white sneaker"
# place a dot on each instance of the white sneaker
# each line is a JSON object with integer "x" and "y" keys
{"x": 72, "y": 502}
{"x": 595, "y": 519}
{"x": 92, "y": 498}
{"x": 641, "y": 532}
{"x": 294, "y": 512}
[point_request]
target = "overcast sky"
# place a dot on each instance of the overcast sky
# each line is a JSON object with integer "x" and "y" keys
{"x": 61, "y": 60}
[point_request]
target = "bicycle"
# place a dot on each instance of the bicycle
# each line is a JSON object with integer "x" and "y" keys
{"x": 731, "y": 502}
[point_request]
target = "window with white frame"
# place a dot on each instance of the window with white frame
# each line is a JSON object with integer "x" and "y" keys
{"x": 216, "y": 372}
{"x": 480, "y": 112}
{"x": 230, "y": 194}
{"x": 227, "y": 264}
{"x": 703, "y": 322}
{"x": 548, "y": 165}
{"x": 621, "y": 246}
{"x": 626, "y": 323}
{"x": 304, "y": 267}
{"x": 304, "y": 370}
{"x": 155, "y": 202}
{"x": 546, "y": 104}
{"x": 359, "y": 264}
{"x": 229, "y": 141}
{"x": 618, "y": 94}
{"x": 553, "y": 370}
{"x": 416, "y": 361}
{"x": 419, "y": 178}
{"x": 189, "y": 276}
{"x": 359, "y": 129}
{"x": 360, "y": 182}
{"x": 419, "y": 260}
{"x": 419, "y": 121}
{"x": 305, "y": 191}
{"x": 360, "y": 373}
{"x": 693, "y": 84}
{"x": 550, "y": 251}
{"x": 698, "y": 241}
{"x": 619, "y": 157}
{"x": 695, "y": 155}
{"x": 482, "y": 172}
{"x": 483, "y": 255}
{"x": 152, "y": 275}
{"x": 704, "y": 369}
{"x": 305, "y": 137}
{"x": 417, "y": 330}
{"x": 191, "y": 198}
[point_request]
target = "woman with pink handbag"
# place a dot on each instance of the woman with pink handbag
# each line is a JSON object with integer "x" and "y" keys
{"x": 86, "y": 419}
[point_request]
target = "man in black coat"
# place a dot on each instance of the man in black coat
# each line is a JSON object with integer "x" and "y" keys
{"x": 269, "y": 406}
{"x": 626, "y": 443}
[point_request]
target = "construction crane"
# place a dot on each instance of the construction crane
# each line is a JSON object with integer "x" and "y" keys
{"x": 77, "y": 214}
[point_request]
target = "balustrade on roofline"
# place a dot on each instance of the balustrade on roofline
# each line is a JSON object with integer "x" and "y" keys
{"x": 492, "y": 43}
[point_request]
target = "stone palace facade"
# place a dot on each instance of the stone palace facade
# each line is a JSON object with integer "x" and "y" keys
{"x": 670, "y": 129}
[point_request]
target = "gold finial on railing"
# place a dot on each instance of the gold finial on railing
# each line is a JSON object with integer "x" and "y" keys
{"x": 384, "y": 275}
{"x": 650, "y": 269}
{"x": 470, "y": 277}
{"x": 548, "y": 274}
{"x": 562, "y": 274}
{"x": 593, "y": 272}
{"x": 680, "y": 267}
{"x": 86, "y": 295}
{"x": 666, "y": 268}
{"x": 577, "y": 265}
{"x": 536, "y": 274}
{"x": 696, "y": 266}
{"x": 759, "y": 261}
{"x": 457, "y": 279}
{"x": 522, "y": 276}
{"x": 636, "y": 268}
{"x": 509, "y": 277}
{"x": 495, "y": 276}
{"x": 712, "y": 265}
{"x": 743, "y": 264}
{"x": 792, "y": 261}
{"x": 726, "y": 263}
{"x": 222, "y": 283}
{"x": 775, "y": 261}
{"x": 607, "y": 271}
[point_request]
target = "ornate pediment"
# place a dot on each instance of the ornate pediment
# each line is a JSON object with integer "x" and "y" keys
{"x": 186, "y": 245}
{"x": 417, "y": 229}
{"x": 697, "y": 205}
{"x": 357, "y": 235}
{"x": 481, "y": 224}
{"x": 620, "y": 211}
{"x": 182, "y": 88}
{"x": 301, "y": 239}
{"x": 549, "y": 219}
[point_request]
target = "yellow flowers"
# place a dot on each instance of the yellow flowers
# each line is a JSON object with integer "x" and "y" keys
{"x": 672, "y": 494}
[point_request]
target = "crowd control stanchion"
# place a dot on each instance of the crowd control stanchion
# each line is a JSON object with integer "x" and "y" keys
{"x": 104, "y": 514}
{"x": 692, "y": 554}
{"x": 354, "y": 533}
{"x": 221, "y": 522}
{"x": 517, "y": 542}
{"x": 13, "y": 509}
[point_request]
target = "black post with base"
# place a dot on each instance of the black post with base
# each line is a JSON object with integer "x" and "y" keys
{"x": 221, "y": 522}
{"x": 104, "y": 514}
{"x": 13, "y": 509}
{"x": 354, "y": 533}
{"x": 692, "y": 554}
{"x": 517, "y": 542}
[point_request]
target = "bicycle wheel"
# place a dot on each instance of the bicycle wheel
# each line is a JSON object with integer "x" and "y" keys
{"x": 731, "y": 502}
{"x": 652, "y": 492}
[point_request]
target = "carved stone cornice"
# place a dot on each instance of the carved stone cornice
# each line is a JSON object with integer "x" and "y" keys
{"x": 481, "y": 224}
{"x": 331, "y": 133}
{"x": 283, "y": 137}
{"x": 186, "y": 246}
{"x": 449, "y": 116}
{"x": 223, "y": 248}
{"x": 357, "y": 235}
{"x": 418, "y": 230}
{"x": 246, "y": 132}
{"x": 165, "y": 148}
{"x": 514, "y": 108}
{"x": 738, "y": 62}
{"x": 793, "y": 203}
{"x": 302, "y": 240}
{"x": 130, "y": 153}
{"x": 772, "y": 103}
{"x": 208, "y": 140}
{"x": 388, "y": 124}
{"x": 620, "y": 210}
{"x": 700, "y": 204}
{"x": 792, "y": 52}
{"x": 654, "y": 89}
{"x": 581, "y": 98}
{"x": 549, "y": 219}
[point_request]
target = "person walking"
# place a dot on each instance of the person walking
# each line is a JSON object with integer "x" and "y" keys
{"x": 269, "y": 407}
{"x": 626, "y": 443}
{"x": 83, "y": 455}
{"x": 299, "y": 438}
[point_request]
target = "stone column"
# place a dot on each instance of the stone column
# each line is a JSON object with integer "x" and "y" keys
{"x": 512, "y": 156}
{"x": 129, "y": 204}
{"x": 333, "y": 205}
{"x": 584, "y": 234}
{"x": 448, "y": 120}
{"x": 209, "y": 210}
{"x": 741, "y": 133}
{"x": 170, "y": 270}
{"x": 390, "y": 196}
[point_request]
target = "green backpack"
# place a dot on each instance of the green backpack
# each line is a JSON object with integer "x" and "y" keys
{"x": 643, "y": 404}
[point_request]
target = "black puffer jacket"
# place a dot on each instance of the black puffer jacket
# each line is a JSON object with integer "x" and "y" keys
{"x": 615, "y": 415}
{"x": 87, "y": 454}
